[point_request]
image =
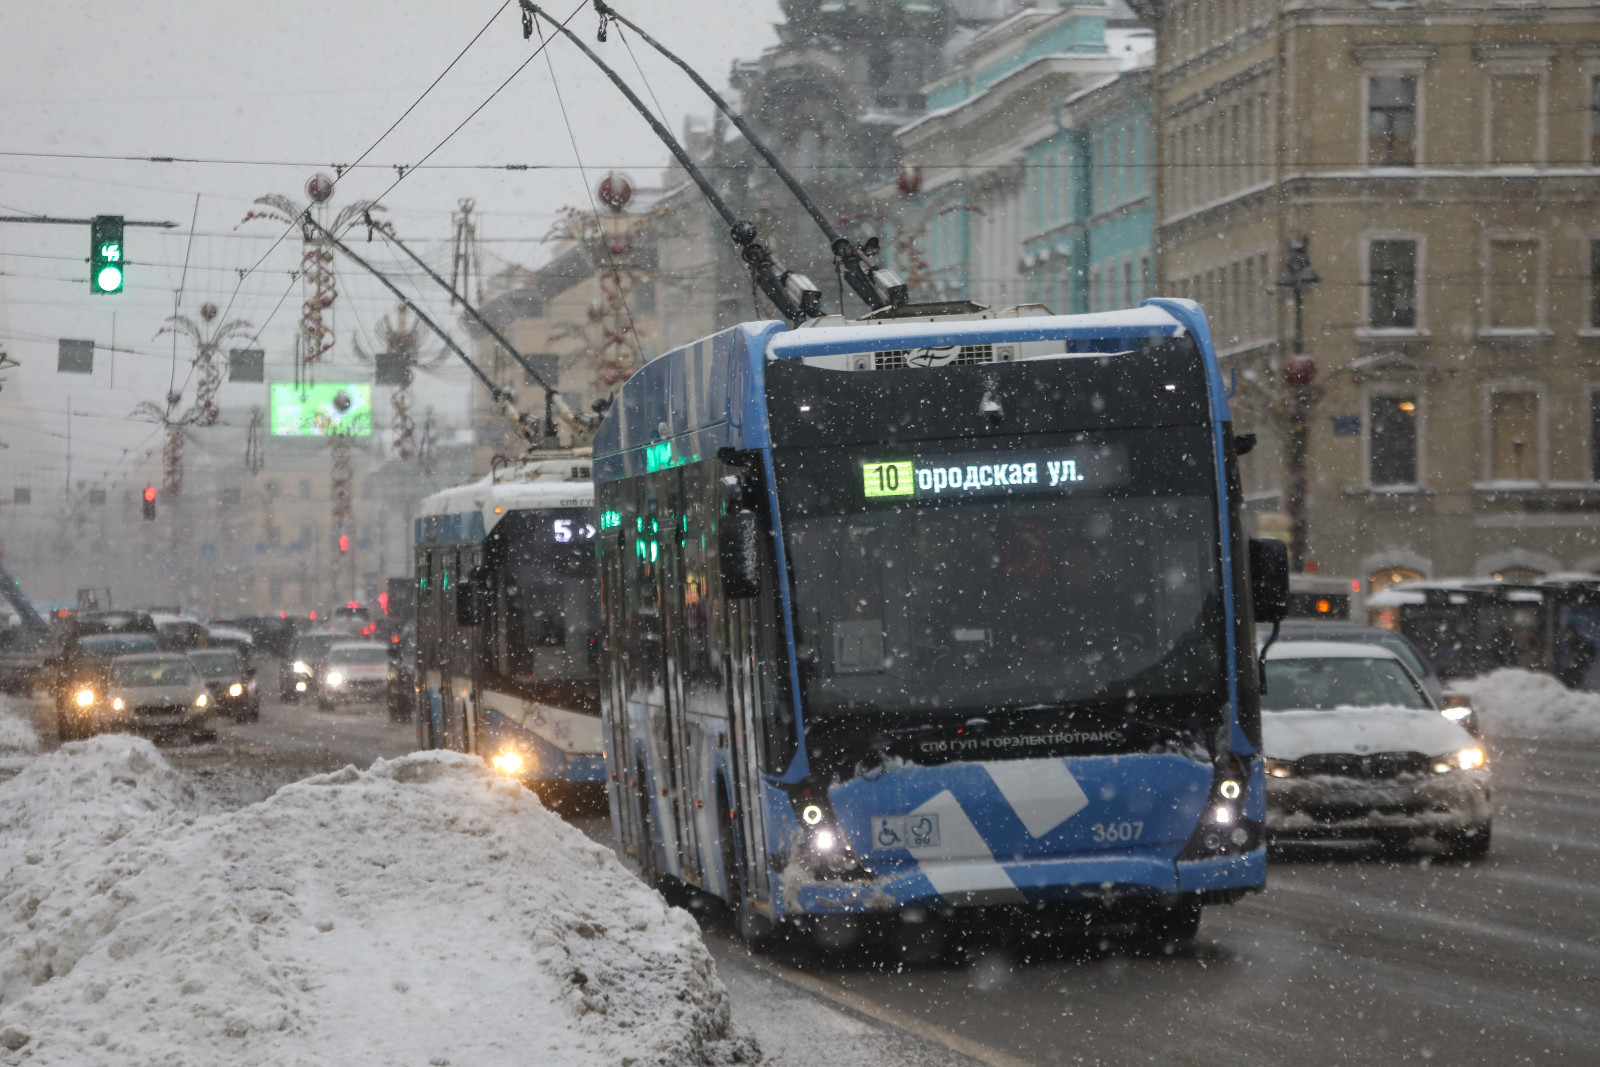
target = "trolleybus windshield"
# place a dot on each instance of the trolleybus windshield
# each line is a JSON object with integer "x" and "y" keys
{"x": 1045, "y": 570}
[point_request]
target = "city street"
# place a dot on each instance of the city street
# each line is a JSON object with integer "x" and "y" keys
{"x": 1349, "y": 955}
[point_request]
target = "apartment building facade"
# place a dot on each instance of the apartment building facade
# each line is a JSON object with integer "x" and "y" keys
{"x": 1441, "y": 158}
{"x": 1029, "y": 179}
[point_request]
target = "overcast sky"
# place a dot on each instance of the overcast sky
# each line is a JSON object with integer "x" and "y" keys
{"x": 297, "y": 83}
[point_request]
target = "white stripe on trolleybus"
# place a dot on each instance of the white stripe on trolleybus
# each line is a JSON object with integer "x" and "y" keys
{"x": 1042, "y": 792}
{"x": 961, "y": 863}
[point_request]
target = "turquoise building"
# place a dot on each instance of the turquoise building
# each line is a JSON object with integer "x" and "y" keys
{"x": 1029, "y": 178}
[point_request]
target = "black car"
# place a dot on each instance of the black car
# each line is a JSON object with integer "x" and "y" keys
{"x": 231, "y": 681}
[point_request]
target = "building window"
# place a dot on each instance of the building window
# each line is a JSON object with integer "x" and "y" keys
{"x": 1514, "y": 118}
{"x": 1594, "y": 285}
{"x": 1594, "y": 435}
{"x": 1392, "y": 441}
{"x": 1514, "y": 437}
{"x": 1392, "y": 285}
{"x": 1513, "y": 284}
{"x": 305, "y": 488}
{"x": 232, "y": 497}
{"x": 1594, "y": 119}
{"x": 1391, "y": 120}
{"x": 22, "y": 495}
{"x": 97, "y": 498}
{"x": 275, "y": 590}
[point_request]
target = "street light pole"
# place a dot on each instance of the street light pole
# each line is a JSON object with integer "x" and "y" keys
{"x": 1299, "y": 377}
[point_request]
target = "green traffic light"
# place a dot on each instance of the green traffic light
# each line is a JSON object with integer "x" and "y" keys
{"x": 106, "y": 255}
{"x": 109, "y": 280}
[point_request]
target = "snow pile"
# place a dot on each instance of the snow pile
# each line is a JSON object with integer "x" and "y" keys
{"x": 421, "y": 912}
{"x": 1518, "y": 703}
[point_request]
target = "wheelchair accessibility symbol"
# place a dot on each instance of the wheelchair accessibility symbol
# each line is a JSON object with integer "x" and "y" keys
{"x": 905, "y": 831}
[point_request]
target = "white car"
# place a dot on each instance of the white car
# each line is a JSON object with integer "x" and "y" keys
{"x": 354, "y": 672}
{"x": 157, "y": 694}
{"x": 1355, "y": 748}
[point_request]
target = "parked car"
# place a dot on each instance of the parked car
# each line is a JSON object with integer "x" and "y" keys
{"x": 231, "y": 681}
{"x": 158, "y": 694}
{"x": 1453, "y": 705}
{"x": 354, "y": 672}
{"x": 297, "y": 677}
{"x": 1355, "y": 748}
{"x": 180, "y": 634}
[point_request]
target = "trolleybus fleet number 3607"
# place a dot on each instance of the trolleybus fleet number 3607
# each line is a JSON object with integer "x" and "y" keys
{"x": 935, "y": 613}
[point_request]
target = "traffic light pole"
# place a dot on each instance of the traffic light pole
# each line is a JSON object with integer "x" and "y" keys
{"x": 52, "y": 221}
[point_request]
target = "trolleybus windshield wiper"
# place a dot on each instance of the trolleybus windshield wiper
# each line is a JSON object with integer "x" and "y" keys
{"x": 503, "y": 397}
{"x": 878, "y": 288}
{"x": 792, "y": 293}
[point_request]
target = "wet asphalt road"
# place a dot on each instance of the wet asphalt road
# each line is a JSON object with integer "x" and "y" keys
{"x": 1350, "y": 956}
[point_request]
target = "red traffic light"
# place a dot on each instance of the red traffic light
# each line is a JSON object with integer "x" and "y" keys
{"x": 383, "y": 602}
{"x": 150, "y": 493}
{"x": 344, "y": 542}
{"x": 149, "y": 502}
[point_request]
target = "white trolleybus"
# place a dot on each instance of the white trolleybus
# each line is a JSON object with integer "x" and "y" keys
{"x": 918, "y": 615}
{"x": 508, "y": 624}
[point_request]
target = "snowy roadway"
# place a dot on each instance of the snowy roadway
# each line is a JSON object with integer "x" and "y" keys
{"x": 1349, "y": 956}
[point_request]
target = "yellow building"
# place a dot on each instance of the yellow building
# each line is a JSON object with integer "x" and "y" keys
{"x": 1442, "y": 160}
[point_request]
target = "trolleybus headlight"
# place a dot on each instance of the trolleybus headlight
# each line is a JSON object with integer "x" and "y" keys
{"x": 1230, "y": 790}
{"x": 812, "y": 814}
{"x": 236, "y": 690}
{"x": 299, "y": 687}
{"x": 85, "y": 697}
{"x": 823, "y": 841}
{"x": 1222, "y": 815}
{"x": 508, "y": 763}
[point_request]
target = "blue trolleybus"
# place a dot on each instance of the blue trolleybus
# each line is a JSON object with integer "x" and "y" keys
{"x": 508, "y": 621}
{"x": 915, "y": 615}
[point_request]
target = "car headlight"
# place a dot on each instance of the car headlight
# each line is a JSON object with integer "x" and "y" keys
{"x": 301, "y": 667}
{"x": 201, "y": 701}
{"x": 117, "y": 704}
{"x": 1457, "y": 712}
{"x": 334, "y": 679}
{"x": 508, "y": 763}
{"x": 299, "y": 687}
{"x": 1468, "y": 759}
{"x": 85, "y": 697}
{"x": 1279, "y": 768}
{"x": 236, "y": 690}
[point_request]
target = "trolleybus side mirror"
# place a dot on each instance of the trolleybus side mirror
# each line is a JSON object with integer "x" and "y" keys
{"x": 469, "y": 600}
{"x": 739, "y": 554}
{"x": 1269, "y": 579}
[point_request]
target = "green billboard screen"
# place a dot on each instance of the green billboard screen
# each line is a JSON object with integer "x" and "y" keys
{"x": 324, "y": 408}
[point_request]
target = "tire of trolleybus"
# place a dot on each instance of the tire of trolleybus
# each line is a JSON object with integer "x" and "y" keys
{"x": 1163, "y": 929}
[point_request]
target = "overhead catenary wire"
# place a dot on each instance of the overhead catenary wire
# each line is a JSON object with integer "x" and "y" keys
{"x": 601, "y": 235}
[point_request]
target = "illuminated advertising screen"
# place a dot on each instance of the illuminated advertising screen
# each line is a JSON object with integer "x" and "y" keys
{"x": 1063, "y": 469}
{"x": 324, "y": 408}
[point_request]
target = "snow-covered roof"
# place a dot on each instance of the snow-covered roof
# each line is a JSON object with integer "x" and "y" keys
{"x": 1135, "y": 324}
{"x": 1327, "y": 650}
